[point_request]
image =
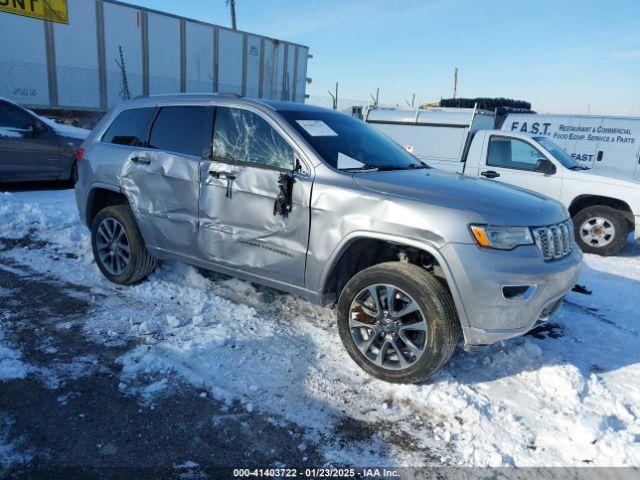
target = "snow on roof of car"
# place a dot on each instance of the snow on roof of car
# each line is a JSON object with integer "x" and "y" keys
{"x": 59, "y": 128}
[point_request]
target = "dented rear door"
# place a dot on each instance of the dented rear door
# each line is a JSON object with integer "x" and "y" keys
{"x": 162, "y": 179}
{"x": 238, "y": 225}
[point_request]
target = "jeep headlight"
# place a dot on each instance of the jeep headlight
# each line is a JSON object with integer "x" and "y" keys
{"x": 502, "y": 238}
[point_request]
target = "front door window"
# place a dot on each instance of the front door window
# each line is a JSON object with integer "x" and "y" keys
{"x": 244, "y": 137}
{"x": 512, "y": 153}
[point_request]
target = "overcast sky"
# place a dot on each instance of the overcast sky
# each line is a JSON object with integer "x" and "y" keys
{"x": 564, "y": 56}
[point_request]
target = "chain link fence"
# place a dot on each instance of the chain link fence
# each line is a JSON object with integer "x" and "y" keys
{"x": 24, "y": 82}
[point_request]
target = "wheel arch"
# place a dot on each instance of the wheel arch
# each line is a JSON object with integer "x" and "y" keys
{"x": 101, "y": 196}
{"x": 583, "y": 201}
{"x": 360, "y": 250}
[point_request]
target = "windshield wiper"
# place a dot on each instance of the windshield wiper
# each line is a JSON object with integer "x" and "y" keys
{"x": 364, "y": 168}
{"x": 384, "y": 168}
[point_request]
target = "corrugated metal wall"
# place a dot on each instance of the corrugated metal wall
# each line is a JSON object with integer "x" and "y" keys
{"x": 80, "y": 65}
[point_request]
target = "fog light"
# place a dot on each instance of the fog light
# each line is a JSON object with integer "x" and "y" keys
{"x": 518, "y": 292}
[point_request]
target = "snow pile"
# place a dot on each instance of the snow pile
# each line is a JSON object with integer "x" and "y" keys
{"x": 11, "y": 366}
{"x": 18, "y": 220}
{"x": 52, "y": 216}
{"x": 568, "y": 396}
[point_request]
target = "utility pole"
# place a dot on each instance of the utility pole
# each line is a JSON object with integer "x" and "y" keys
{"x": 376, "y": 98}
{"x": 455, "y": 82}
{"x": 334, "y": 97}
{"x": 232, "y": 5}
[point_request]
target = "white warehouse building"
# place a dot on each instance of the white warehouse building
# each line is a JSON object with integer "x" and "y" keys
{"x": 109, "y": 50}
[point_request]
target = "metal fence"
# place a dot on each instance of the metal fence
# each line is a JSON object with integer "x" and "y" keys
{"x": 13, "y": 86}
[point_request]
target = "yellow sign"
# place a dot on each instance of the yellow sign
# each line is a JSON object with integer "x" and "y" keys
{"x": 52, "y": 10}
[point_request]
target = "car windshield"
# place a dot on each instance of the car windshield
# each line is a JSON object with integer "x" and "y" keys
{"x": 563, "y": 157}
{"x": 347, "y": 143}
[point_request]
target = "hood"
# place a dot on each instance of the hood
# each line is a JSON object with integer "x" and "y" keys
{"x": 492, "y": 202}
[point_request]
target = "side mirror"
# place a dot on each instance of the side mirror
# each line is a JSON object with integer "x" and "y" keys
{"x": 297, "y": 166}
{"x": 35, "y": 128}
{"x": 284, "y": 201}
{"x": 546, "y": 166}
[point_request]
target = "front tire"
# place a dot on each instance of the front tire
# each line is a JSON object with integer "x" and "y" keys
{"x": 118, "y": 248}
{"x": 601, "y": 230}
{"x": 397, "y": 322}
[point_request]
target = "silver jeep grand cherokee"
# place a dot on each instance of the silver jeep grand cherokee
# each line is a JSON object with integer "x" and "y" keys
{"x": 317, "y": 203}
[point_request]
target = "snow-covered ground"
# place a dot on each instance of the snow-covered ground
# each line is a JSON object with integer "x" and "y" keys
{"x": 567, "y": 396}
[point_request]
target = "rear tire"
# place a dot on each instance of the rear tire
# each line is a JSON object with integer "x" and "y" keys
{"x": 376, "y": 347}
{"x": 601, "y": 230}
{"x": 125, "y": 260}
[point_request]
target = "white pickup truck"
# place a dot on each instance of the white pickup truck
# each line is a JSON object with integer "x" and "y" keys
{"x": 604, "y": 208}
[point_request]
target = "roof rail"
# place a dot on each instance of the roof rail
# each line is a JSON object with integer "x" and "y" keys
{"x": 228, "y": 94}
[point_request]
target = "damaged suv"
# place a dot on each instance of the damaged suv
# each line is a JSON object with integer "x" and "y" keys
{"x": 317, "y": 203}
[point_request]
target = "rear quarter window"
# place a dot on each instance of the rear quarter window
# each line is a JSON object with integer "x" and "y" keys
{"x": 129, "y": 127}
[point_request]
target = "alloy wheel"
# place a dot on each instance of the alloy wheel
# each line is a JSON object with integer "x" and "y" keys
{"x": 388, "y": 327}
{"x": 114, "y": 251}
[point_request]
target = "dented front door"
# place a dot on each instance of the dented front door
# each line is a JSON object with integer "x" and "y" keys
{"x": 239, "y": 226}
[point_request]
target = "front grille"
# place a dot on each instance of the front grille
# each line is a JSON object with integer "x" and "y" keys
{"x": 555, "y": 241}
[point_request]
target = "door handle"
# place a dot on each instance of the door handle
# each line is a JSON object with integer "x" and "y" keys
{"x": 141, "y": 160}
{"x": 227, "y": 175}
{"x": 230, "y": 178}
{"x": 490, "y": 174}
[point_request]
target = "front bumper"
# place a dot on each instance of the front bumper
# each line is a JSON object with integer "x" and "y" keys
{"x": 481, "y": 274}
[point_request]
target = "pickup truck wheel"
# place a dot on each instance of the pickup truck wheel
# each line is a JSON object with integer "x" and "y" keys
{"x": 397, "y": 322}
{"x": 601, "y": 230}
{"x": 118, "y": 247}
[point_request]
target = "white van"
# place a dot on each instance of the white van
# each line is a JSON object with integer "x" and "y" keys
{"x": 604, "y": 206}
{"x": 605, "y": 144}
{"x": 438, "y": 136}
